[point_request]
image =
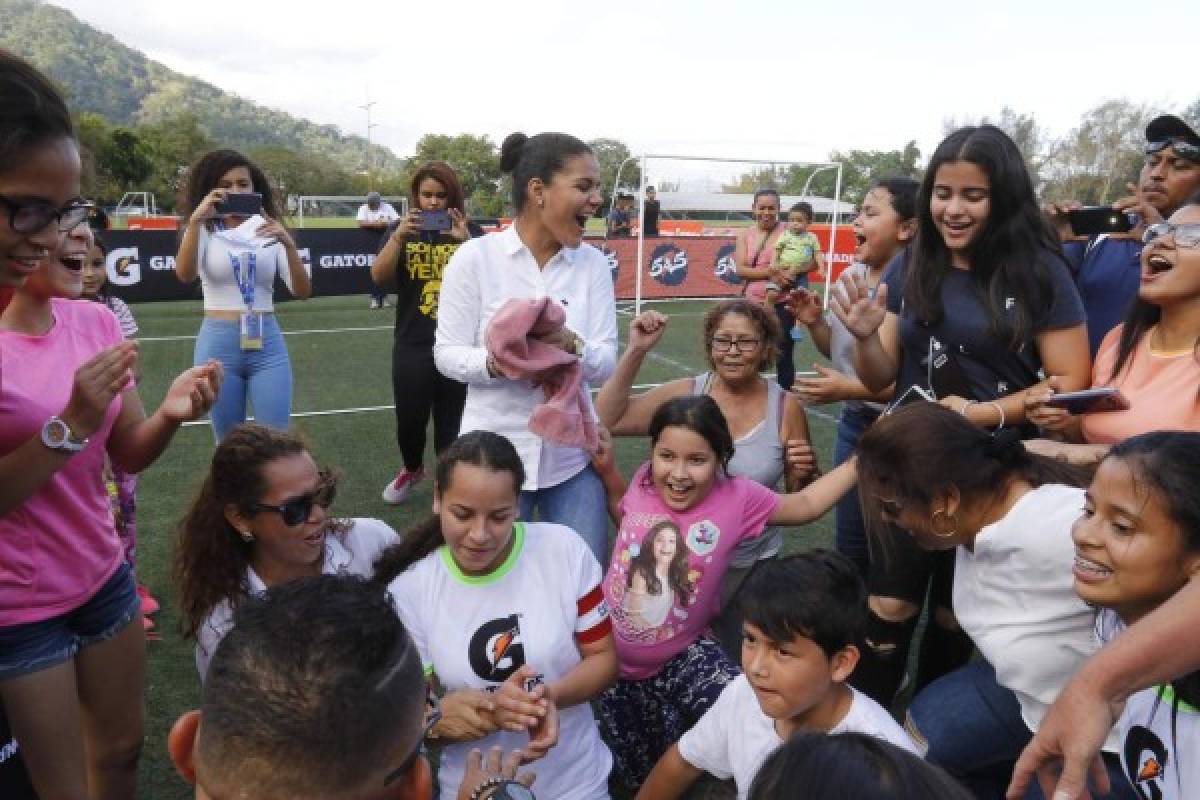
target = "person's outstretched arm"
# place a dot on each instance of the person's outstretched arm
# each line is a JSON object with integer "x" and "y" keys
{"x": 1161, "y": 646}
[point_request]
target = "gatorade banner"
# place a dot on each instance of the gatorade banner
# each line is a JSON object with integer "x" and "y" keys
{"x": 141, "y": 263}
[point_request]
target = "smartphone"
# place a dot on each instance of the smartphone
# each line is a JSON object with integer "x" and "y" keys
{"x": 1090, "y": 401}
{"x": 436, "y": 221}
{"x": 241, "y": 204}
{"x": 1100, "y": 219}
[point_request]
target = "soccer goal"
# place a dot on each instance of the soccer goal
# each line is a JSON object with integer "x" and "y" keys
{"x": 704, "y": 203}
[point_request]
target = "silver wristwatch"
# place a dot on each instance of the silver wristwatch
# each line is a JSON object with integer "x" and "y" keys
{"x": 57, "y": 435}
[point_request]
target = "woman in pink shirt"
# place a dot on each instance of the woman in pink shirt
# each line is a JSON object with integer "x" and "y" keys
{"x": 754, "y": 255}
{"x": 68, "y": 650}
{"x": 1153, "y": 358}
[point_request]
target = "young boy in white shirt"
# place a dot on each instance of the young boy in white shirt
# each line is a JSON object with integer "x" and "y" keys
{"x": 804, "y": 616}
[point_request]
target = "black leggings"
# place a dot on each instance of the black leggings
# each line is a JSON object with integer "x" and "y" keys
{"x": 418, "y": 389}
{"x": 784, "y": 368}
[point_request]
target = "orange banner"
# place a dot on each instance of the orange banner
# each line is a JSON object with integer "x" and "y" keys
{"x": 696, "y": 266}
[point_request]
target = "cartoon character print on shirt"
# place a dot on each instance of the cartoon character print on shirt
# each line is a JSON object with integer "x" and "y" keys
{"x": 425, "y": 262}
{"x": 1145, "y": 762}
{"x": 655, "y": 575}
{"x": 496, "y": 649}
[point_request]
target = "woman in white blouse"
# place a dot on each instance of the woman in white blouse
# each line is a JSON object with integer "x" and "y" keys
{"x": 237, "y": 253}
{"x": 556, "y": 189}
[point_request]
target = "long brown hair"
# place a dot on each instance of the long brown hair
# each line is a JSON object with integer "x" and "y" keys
{"x": 210, "y": 556}
{"x": 644, "y": 563}
{"x": 207, "y": 171}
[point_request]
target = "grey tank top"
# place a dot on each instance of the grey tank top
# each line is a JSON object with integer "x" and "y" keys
{"x": 758, "y": 456}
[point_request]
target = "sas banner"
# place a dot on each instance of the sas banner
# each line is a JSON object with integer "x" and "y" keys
{"x": 141, "y": 263}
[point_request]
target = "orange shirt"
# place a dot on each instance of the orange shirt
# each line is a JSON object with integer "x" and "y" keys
{"x": 1163, "y": 392}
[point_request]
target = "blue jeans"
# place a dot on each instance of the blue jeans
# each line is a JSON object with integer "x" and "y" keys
{"x": 851, "y": 528}
{"x": 580, "y": 503}
{"x": 975, "y": 731}
{"x": 264, "y": 377}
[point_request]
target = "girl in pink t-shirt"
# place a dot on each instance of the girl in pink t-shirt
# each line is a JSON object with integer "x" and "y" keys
{"x": 67, "y": 600}
{"x": 679, "y": 522}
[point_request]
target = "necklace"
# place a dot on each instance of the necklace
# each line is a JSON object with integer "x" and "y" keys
{"x": 1159, "y": 350}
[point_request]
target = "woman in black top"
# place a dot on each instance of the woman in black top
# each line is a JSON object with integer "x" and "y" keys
{"x": 411, "y": 262}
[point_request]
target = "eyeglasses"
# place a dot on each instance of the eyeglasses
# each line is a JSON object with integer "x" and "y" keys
{"x": 722, "y": 344}
{"x": 298, "y": 509}
{"x": 1186, "y": 236}
{"x": 433, "y": 715}
{"x": 31, "y": 216}
{"x": 1182, "y": 148}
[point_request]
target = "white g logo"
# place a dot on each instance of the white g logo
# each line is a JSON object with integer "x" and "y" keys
{"x": 123, "y": 267}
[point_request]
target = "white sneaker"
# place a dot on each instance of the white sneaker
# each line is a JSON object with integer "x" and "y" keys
{"x": 395, "y": 492}
{"x": 375, "y": 303}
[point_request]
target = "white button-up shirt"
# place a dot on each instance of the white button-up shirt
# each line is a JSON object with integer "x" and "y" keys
{"x": 481, "y": 277}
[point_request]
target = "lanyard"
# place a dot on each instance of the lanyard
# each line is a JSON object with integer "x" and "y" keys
{"x": 246, "y": 287}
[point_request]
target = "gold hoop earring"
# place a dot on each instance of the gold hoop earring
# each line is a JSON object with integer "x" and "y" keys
{"x": 949, "y": 518}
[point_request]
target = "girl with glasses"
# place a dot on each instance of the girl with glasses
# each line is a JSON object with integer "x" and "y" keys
{"x": 770, "y": 431}
{"x": 261, "y": 518}
{"x": 1153, "y": 358}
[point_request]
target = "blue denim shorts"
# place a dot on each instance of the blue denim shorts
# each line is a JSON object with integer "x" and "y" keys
{"x": 36, "y": 646}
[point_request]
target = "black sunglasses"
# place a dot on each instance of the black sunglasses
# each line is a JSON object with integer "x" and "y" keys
{"x": 433, "y": 715}
{"x": 31, "y": 216}
{"x": 298, "y": 509}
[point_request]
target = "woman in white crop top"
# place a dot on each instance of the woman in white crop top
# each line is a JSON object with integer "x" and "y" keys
{"x": 237, "y": 256}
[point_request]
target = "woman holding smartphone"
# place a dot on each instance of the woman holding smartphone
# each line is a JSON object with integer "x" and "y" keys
{"x": 1153, "y": 358}
{"x": 235, "y": 243}
{"x": 416, "y": 250}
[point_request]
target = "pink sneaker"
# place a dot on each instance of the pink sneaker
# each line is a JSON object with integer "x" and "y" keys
{"x": 149, "y": 604}
{"x": 395, "y": 492}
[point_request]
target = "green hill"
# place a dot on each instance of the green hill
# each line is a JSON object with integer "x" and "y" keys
{"x": 102, "y": 75}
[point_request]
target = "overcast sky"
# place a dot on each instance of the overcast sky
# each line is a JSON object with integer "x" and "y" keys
{"x": 779, "y": 80}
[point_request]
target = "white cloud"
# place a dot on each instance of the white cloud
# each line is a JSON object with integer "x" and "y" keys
{"x": 756, "y": 79}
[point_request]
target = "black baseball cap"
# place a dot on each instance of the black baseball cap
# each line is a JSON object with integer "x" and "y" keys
{"x": 1170, "y": 128}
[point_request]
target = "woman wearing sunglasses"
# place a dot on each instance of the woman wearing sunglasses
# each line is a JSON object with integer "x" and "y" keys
{"x": 770, "y": 431}
{"x": 1153, "y": 359}
{"x": 261, "y": 518}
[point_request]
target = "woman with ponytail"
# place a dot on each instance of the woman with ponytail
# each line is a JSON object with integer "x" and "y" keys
{"x": 556, "y": 189}
{"x": 261, "y": 518}
{"x": 1007, "y": 515}
{"x": 510, "y": 621}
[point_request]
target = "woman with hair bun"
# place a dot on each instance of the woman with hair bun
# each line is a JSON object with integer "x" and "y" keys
{"x": 556, "y": 189}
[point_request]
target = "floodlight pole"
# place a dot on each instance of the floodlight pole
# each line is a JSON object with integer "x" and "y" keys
{"x": 367, "y": 107}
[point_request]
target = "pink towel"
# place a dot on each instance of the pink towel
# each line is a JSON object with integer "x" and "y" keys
{"x": 565, "y": 417}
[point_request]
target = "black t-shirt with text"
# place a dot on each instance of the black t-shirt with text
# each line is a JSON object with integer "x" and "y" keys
{"x": 986, "y": 363}
{"x": 418, "y": 281}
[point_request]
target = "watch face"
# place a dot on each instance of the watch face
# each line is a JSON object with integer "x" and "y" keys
{"x": 55, "y": 432}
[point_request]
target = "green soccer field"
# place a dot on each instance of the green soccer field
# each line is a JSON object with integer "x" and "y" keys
{"x": 341, "y": 358}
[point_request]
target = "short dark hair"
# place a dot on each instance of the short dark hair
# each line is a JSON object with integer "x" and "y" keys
{"x": 820, "y": 766}
{"x": 699, "y": 414}
{"x": 311, "y": 693}
{"x": 818, "y": 595}
{"x": 541, "y": 156}
{"x": 764, "y": 193}
{"x": 803, "y": 207}
{"x": 32, "y": 110}
{"x": 904, "y": 195}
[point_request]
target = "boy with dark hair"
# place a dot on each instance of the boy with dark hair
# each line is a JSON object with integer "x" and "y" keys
{"x": 317, "y": 692}
{"x": 804, "y": 616}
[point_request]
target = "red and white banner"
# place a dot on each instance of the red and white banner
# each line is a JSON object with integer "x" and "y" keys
{"x": 695, "y": 266}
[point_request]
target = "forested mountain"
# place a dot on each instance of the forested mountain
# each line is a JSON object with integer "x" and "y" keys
{"x": 102, "y": 75}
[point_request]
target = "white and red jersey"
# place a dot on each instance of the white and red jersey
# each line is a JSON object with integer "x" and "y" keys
{"x": 474, "y": 631}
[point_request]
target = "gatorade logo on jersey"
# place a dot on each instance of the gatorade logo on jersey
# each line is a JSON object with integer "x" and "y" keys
{"x": 725, "y": 267}
{"x": 668, "y": 264}
{"x": 1145, "y": 761}
{"x": 496, "y": 650}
